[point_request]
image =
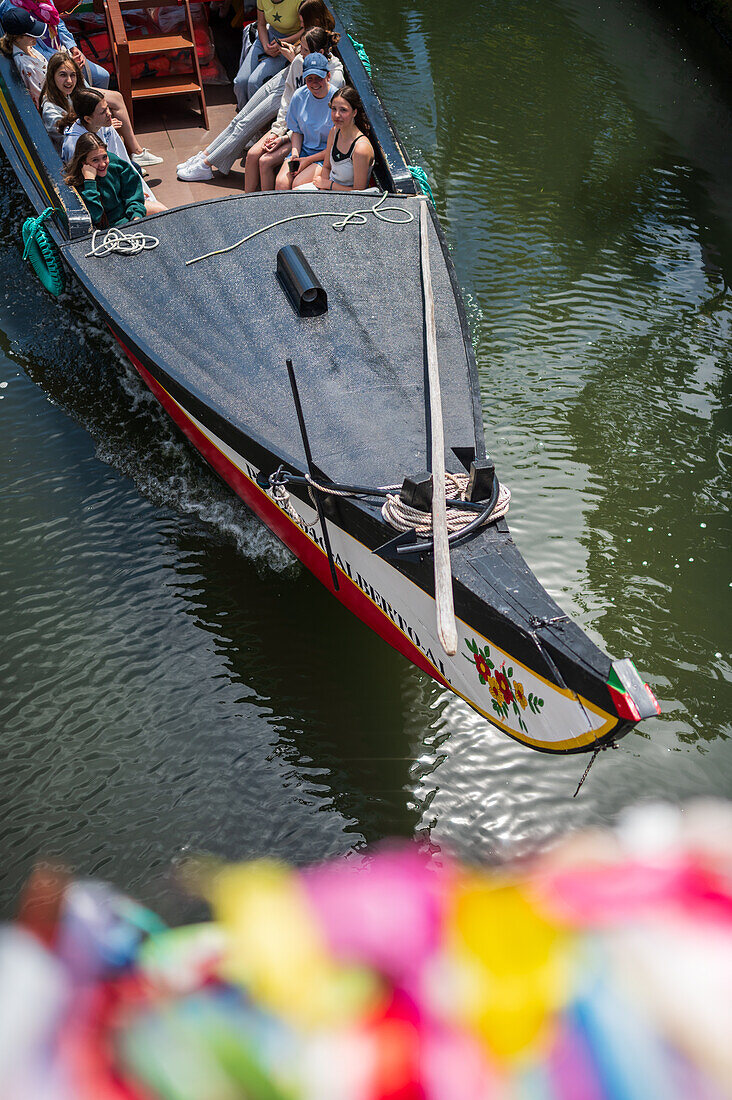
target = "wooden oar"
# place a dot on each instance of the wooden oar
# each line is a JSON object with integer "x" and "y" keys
{"x": 446, "y": 626}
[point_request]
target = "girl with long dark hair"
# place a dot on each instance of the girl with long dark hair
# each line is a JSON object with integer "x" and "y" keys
{"x": 111, "y": 188}
{"x": 349, "y": 155}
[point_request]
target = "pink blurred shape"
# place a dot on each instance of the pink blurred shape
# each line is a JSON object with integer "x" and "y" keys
{"x": 385, "y": 911}
{"x": 605, "y": 894}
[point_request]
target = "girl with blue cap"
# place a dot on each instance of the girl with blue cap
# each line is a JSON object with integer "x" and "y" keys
{"x": 308, "y": 119}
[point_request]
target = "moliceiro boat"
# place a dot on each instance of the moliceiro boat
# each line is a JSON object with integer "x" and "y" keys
{"x": 314, "y": 348}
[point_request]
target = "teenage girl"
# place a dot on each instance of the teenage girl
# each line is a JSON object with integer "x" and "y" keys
{"x": 90, "y": 113}
{"x": 266, "y": 156}
{"x": 63, "y": 77}
{"x": 349, "y": 155}
{"x": 111, "y": 188}
{"x": 308, "y": 120}
{"x": 22, "y": 48}
{"x": 277, "y": 25}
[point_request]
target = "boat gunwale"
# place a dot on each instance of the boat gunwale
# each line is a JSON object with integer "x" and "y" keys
{"x": 44, "y": 170}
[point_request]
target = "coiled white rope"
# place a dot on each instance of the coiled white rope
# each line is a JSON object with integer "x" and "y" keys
{"x": 356, "y": 217}
{"x": 127, "y": 244}
{"x": 400, "y": 515}
{"x": 404, "y": 518}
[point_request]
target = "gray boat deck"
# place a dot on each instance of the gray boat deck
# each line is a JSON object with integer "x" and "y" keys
{"x": 223, "y": 327}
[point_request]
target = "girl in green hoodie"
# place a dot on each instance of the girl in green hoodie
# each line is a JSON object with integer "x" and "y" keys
{"x": 110, "y": 187}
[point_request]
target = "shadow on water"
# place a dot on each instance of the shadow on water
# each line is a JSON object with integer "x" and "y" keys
{"x": 345, "y": 702}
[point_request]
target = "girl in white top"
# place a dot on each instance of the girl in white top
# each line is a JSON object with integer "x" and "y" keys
{"x": 28, "y": 61}
{"x": 349, "y": 155}
{"x": 63, "y": 77}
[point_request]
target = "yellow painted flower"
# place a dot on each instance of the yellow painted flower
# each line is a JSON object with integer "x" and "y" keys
{"x": 494, "y": 689}
{"x": 519, "y": 692}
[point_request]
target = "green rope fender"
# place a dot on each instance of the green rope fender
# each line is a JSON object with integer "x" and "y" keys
{"x": 42, "y": 253}
{"x": 418, "y": 173}
{"x": 361, "y": 51}
{"x": 420, "y": 176}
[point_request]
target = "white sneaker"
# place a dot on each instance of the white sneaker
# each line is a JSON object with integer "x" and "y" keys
{"x": 192, "y": 173}
{"x": 191, "y": 160}
{"x": 146, "y": 158}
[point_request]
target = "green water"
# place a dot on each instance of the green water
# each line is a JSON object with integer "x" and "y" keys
{"x": 172, "y": 680}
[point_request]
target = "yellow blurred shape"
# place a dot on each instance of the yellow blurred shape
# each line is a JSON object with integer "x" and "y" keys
{"x": 276, "y": 950}
{"x": 511, "y": 962}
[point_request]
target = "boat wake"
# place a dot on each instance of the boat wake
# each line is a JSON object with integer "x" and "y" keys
{"x": 65, "y": 348}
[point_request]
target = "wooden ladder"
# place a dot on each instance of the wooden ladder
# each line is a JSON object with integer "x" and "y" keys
{"x": 125, "y": 48}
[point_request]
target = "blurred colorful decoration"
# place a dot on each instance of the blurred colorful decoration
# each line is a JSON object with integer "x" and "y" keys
{"x": 600, "y": 971}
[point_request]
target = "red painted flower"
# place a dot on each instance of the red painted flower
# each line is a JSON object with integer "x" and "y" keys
{"x": 482, "y": 665}
{"x": 504, "y": 687}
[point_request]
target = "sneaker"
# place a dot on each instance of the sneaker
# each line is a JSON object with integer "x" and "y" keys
{"x": 145, "y": 158}
{"x": 192, "y": 173}
{"x": 191, "y": 160}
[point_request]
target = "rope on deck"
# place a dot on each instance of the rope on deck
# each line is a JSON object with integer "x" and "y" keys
{"x": 356, "y": 217}
{"x": 127, "y": 244}
{"x": 405, "y": 518}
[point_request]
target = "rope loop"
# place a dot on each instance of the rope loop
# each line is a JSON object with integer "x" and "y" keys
{"x": 356, "y": 217}
{"x": 394, "y": 511}
{"x": 360, "y": 217}
{"x": 405, "y": 518}
{"x": 126, "y": 244}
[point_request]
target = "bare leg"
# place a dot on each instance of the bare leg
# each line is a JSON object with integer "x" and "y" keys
{"x": 307, "y": 175}
{"x": 117, "y": 104}
{"x": 268, "y": 163}
{"x": 152, "y": 206}
{"x": 251, "y": 168}
{"x": 284, "y": 179}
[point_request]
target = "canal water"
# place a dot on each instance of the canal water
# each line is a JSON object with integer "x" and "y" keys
{"x": 171, "y": 680}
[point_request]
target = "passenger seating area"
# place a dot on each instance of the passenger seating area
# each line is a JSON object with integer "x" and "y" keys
{"x": 171, "y": 128}
{"x": 177, "y": 92}
{"x": 176, "y": 105}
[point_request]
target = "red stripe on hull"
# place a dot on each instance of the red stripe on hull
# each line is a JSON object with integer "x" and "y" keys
{"x": 312, "y": 557}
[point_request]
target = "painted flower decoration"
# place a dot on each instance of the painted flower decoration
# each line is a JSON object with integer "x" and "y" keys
{"x": 482, "y": 665}
{"x": 504, "y": 687}
{"x": 508, "y": 696}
